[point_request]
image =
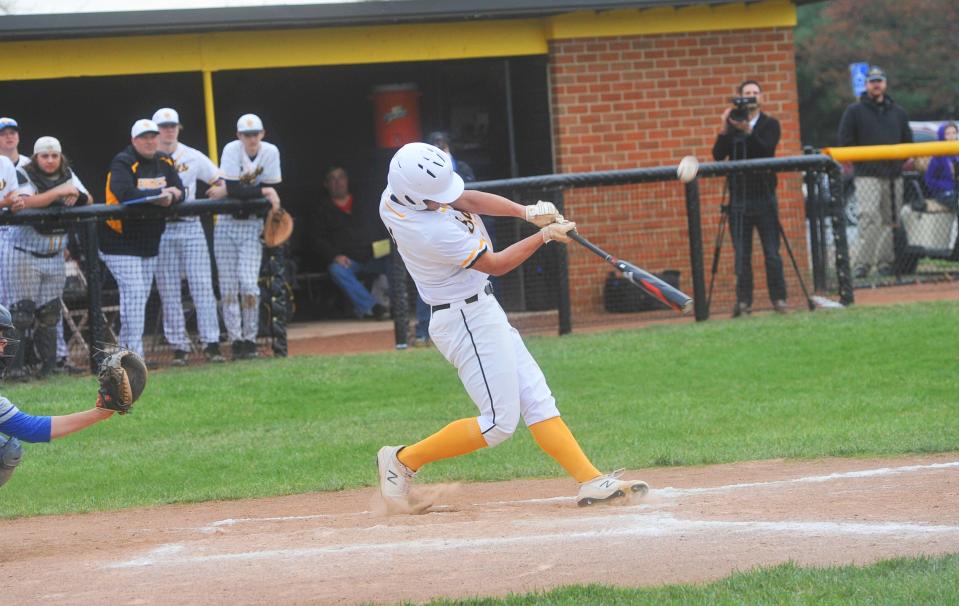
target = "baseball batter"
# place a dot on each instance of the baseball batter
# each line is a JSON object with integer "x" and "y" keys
{"x": 183, "y": 248}
{"x": 437, "y": 229}
{"x": 251, "y": 169}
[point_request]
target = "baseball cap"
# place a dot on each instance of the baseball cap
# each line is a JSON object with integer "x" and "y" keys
{"x": 9, "y": 123}
{"x": 249, "y": 123}
{"x": 142, "y": 126}
{"x": 875, "y": 73}
{"x": 47, "y": 144}
{"x": 166, "y": 115}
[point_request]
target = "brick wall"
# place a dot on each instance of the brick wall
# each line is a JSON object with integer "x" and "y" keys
{"x": 627, "y": 102}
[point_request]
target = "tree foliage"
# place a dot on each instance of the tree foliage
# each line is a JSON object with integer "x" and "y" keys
{"x": 915, "y": 41}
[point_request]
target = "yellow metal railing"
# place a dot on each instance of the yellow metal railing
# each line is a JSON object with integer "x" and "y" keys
{"x": 902, "y": 151}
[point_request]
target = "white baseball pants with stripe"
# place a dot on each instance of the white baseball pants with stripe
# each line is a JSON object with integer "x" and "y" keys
{"x": 497, "y": 370}
{"x": 134, "y": 277}
{"x": 184, "y": 252}
{"x": 236, "y": 244}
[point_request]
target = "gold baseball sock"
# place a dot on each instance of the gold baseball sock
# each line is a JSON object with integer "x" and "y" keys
{"x": 557, "y": 441}
{"x": 457, "y": 438}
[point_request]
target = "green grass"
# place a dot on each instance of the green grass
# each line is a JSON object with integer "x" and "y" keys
{"x": 865, "y": 381}
{"x": 929, "y": 581}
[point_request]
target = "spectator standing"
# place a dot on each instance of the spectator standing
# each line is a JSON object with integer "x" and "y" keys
{"x": 940, "y": 175}
{"x": 752, "y": 198}
{"x": 183, "y": 248}
{"x": 130, "y": 247}
{"x": 251, "y": 169}
{"x": 33, "y": 269}
{"x": 875, "y": 120}
{"x": 344, "y": 232}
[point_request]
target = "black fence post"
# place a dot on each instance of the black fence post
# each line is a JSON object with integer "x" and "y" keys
{"x": 563, "y": 306}
{"x": 399, "y": 301}
{"x": 97, "y": 321}
{"x": 279, "y": 299}
{"x": 695, "y": 227}
{"x": 814, "y": 221}
{"x": 843, "y": 271}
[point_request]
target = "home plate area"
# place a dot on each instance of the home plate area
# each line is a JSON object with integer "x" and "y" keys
{"x": 696, "y": 524}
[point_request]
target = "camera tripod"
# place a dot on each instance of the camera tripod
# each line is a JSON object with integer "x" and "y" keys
{"x": 724, "y": 218}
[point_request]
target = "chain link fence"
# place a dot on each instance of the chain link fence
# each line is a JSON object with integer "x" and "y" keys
{"x": 74, "y": 292}
{"x": 902, "y": 228}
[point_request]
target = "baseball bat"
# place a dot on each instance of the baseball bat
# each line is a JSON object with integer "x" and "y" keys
{"x": 657, "y": 288}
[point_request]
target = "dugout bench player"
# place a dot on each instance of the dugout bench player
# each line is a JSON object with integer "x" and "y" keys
{"x": 251, "y": 169}
{"x": 438, "y": 232}
{"x": 183, "y": 248}
{"x": 130, "y": 247}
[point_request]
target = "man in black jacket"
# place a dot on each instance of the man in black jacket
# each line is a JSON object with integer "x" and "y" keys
{"x": 875, "y": 120}
{"x": 130, "y": 247}
{"x": 342, "y": 233}
{"x": 752, "y": 198}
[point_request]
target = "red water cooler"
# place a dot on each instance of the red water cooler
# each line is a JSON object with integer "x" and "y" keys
{"x": 396, "y": 110}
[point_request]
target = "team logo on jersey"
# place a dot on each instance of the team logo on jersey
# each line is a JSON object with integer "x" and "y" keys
{"x": 250, "y": 177}
{"x": 3, "y": 184}
{"x": 181, "y": 168}
{"x": 151, "y": 183}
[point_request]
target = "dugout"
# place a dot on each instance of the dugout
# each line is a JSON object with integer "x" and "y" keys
{"x": 562, "y": 86}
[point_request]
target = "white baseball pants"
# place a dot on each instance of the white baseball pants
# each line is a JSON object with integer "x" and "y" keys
{"x": 236, "y": 244}
{"x": 184, "y": 252}
{"x": 497, "y": 370}
{"x": 134, "y": 277}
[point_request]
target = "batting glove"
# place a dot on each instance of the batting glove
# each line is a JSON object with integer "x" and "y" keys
{"x": 542, "y": 213}
{"x": 558, "y": 231}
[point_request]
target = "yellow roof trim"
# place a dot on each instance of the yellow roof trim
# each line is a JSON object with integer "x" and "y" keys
{"x": 210, "y": 52}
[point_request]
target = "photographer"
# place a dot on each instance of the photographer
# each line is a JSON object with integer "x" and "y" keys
{"x": 748, "y": 133}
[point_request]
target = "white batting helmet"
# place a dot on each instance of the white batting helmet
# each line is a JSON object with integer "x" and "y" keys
{"x": 420, "y": 172}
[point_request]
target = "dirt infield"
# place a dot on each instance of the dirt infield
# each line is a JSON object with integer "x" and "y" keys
{"x": 696, "y": 524}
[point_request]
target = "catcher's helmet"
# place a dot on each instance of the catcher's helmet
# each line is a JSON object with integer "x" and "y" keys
{"x": 420, "y": 172}
{"x": 8, "y": 334}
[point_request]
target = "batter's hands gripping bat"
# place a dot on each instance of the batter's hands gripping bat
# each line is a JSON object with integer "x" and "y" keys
{"x": 650, "y": 284}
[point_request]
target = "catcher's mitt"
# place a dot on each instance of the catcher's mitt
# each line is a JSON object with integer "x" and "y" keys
{"x": 278, "y": 228}
{"x": 122, "y": 376}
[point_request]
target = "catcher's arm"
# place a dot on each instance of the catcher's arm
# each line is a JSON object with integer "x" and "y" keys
{"x": 66, "y": 424}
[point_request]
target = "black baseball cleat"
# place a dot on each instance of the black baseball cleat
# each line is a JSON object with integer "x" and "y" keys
{"x": 610, "y": 488}
{"x": 212, "y": 353}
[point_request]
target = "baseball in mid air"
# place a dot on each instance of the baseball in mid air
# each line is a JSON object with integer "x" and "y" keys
{"x": 687, "y": 169}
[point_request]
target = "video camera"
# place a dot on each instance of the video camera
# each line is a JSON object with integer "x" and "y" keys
{"x": 741, "y": 108}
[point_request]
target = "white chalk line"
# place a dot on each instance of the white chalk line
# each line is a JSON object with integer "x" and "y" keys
{"x": 664, "y": 524}
{"x": 576, "y": 529}
{"x": 669, "y": 491}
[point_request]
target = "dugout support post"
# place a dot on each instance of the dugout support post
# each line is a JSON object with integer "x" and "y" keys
{"x": 94, "y": 295}
{"x": 694, "y": 225}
